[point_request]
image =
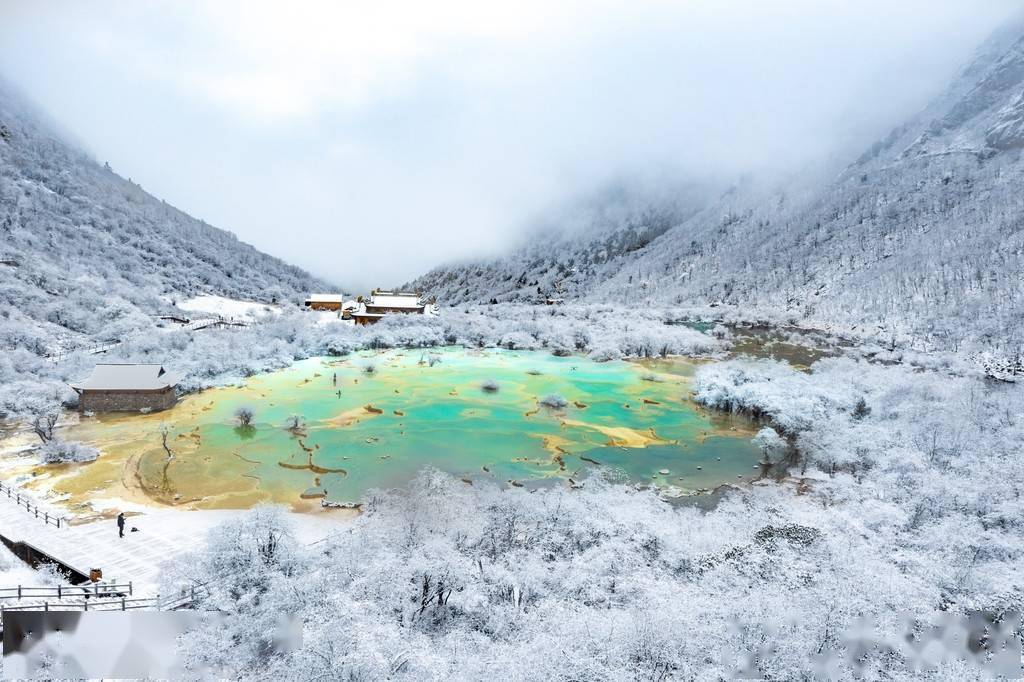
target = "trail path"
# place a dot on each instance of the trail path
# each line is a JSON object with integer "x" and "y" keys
{"x": 137, "y": 557}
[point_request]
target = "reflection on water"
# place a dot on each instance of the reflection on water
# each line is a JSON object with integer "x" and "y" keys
{"x": 359, "y": 430}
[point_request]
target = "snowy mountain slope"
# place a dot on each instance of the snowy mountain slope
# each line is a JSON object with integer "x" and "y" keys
{"x": 565, "y": 254}
{"x": 87, "y": 254}
{"x": 922, "y": 236}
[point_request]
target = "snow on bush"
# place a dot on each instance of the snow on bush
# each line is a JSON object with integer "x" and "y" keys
{"x": 63, "y": 452}
{"x": 605, "y": 352}
{"x": 771, "y": 388}
{"x": 518, "y": 341}
{"x": 769, "y": 442}
{"x": 554, "y": 401}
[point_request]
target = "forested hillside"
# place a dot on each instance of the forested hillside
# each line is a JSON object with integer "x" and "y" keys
{"x": 922, "y": 237}
{"x": 566, "y": 253}
{"x": 89, "y": 255}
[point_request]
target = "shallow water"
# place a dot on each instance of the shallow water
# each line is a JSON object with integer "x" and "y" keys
{"x": 376, "y": 430}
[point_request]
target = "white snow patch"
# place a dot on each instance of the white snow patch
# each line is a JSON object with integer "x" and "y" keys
{"x": 228, "y": 307}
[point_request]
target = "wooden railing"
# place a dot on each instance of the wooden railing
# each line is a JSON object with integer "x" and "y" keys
{"x": 31, "y": 507}
{"x": 159, "y": 602}
{"x": 91, "y": 591}
{"x": 219, "y": 320}
{"x": 192, "y": 325}
{"x": 94, "y": 349}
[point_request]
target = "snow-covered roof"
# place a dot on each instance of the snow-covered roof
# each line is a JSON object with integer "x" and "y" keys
{"x": 325, "y": 298}
{"x": 399, "y": 300}
{"x": 127, "y": 377}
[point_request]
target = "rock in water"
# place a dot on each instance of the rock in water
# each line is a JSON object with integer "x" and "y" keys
{"x": 313, "y": 493}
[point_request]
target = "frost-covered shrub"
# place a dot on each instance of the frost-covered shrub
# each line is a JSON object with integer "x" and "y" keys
{"x": 861, "y": 409}
{"x": 554, "y": 401}
{"x": 64, "y": 452}
{"x": 769, "y": 442}
{"x": 244, "y": 415}
{"x": 517, "y": 340}
{"x": 764, "y": 388}
{"x": 605, "y": 353}
{"x": 248, "y": 574}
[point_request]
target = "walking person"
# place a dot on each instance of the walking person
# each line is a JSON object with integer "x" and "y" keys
{"x": 335, "y": 378}
{"x": 120, "y": 525}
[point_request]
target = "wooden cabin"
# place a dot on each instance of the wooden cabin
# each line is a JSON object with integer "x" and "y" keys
{"x": 324, "y": 301}
{"x": 127, "y": 388}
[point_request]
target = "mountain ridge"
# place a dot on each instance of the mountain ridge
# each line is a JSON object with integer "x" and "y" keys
{"x": 921, "y": 235}
{"x": 89, "y": 254}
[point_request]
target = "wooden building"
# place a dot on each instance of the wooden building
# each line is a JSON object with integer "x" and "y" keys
{"x": 324, "y": 301}
{"x": 382, "y": 303}
{"x": 126, "y": 388}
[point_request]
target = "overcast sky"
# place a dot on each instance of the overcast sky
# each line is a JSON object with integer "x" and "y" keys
{"x": 370, "y": 141}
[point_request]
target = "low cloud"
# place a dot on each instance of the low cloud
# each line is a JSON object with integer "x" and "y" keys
{"x": 370, "y": 144}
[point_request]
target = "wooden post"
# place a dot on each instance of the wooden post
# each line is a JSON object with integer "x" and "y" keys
{"x": 46, "y": 606}
{"x": 129, "y": 587}
{"x": 59, "y": 594}
{"x": 19, "y": 592}
{"x": 86, "y": 605}
{"x": 122, "y": 604}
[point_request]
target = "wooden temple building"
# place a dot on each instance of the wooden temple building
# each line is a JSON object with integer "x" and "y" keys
{"x": 382, "y": 303}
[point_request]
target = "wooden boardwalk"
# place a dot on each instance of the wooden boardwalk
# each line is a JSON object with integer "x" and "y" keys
{"x": 219, "y": 322}
{"x": 137, "y": 557}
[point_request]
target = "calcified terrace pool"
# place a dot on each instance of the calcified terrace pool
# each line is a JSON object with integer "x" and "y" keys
{"x": 388, "y": 414}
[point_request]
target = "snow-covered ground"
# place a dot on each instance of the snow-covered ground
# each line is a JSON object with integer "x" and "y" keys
{"x": 14, "y": 572}
{"x": 228, "y": 307}
{"x": 326, "y": 317}
{"x": 138, "y": 556}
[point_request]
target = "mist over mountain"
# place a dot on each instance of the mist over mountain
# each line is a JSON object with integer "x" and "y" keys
{"x": 921, "y": 236}
{"x": 575, "y": 246}
{"x": 89, "y": 254}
